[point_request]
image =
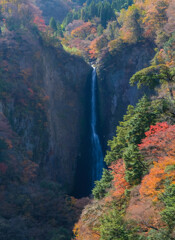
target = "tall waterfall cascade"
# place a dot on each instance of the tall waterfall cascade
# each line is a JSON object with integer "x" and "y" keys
{"x": 97, "y": 154}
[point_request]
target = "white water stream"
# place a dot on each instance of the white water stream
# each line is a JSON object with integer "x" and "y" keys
{"x": 97, "y": 154}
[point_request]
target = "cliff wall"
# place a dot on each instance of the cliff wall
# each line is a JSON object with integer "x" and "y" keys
{"x": 43, "y": 92}
{"x": 115, "y": 92}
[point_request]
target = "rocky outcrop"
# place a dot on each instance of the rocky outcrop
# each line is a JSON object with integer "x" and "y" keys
{"x": 65, "y": 80}
{"x": 45, "y": 102}
{"x": 115, "y": 92}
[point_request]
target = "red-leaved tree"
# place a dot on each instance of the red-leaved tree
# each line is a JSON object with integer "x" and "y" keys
{"x": 158, "y": 141}
{"x": 119, "y": 182}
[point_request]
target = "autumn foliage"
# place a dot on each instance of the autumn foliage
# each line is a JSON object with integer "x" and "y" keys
{"x": 155, "y": 17}
{"x": 84, "y": 30}
{"x": 154, "y": 183}
{"x": 119, "y": 182}
{"x": 96, "y": 46}
{"x": 159, "y": 145}
{"x": 158, "y": 141}
{"x": 40, "y": 23}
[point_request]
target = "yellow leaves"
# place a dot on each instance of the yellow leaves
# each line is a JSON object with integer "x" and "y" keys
{"x": 131, "y": 20}
{"x": 83, "y": 30}
{"x": 6, "y": 5}
{"x": 155, "y": 16}
{"x": 115, "y": 44}
{"x": 76, "y": 230}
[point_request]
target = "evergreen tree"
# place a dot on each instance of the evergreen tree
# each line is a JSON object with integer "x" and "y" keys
{"x": 100, "y": 29}
{"x": 99, "y": 190}
{"x": 92, "y": 10}
{"x": 113, "y": 227}
{"x": 84, "y": 15}
{"x": 52, "y": 24}
{"x": 68, "y": 19}
{"x": 59, "y": 30}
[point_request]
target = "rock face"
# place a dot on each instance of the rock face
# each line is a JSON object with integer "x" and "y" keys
{"x": 45, "y": 95}
{"x": 65, "y": 80}
{"x": 115, "y": 93}
{"x": 45, "y": 102}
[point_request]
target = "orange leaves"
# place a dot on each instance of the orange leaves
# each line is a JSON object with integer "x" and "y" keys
{"x": 84, "y": 30}
{"x": 76, "y": 230}
{"x": 154, "y": 183}
{"x": 119, "y": 182}
{"x": 159, "y": 145}
{"x": 93, "y": 48}
{"x": 96, "y": 45}
{"x": 155, "y": 17}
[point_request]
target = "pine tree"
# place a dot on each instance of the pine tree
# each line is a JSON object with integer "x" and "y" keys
{"x": 53, "y": 24}
{"x": 59, "y": 30}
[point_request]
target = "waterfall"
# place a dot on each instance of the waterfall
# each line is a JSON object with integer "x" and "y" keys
{"x": 97, "y": 155}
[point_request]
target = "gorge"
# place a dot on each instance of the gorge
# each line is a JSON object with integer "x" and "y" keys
{"x": 83, "y": 147}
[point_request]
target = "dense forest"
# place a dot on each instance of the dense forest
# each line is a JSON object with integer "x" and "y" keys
{"x": 46, "y": 52}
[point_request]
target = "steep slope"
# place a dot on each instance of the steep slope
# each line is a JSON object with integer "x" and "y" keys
{"x": 55, "y": 84}
{"x": 115, "y": 92}
{"x": 43, "y": 94}
{"x": 65, "y": 83}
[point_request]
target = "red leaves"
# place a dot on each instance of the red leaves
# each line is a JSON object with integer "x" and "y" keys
{"x": 158, "y": 141}
{"x": 40, "y": 23}
{"x": 119, "y": 182}
{"x": 159, "y": 145}
{"x": 157, "y": 128}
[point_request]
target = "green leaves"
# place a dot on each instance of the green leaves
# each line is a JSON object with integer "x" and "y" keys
{"x": 53, "y": 24}
{"x": 153, "y": 76}
{"x": 168, "y": 214}
{"x": 99, "y": 190}
{"x": 134, "y": 164}
{"x": 146, "y": 77}
{"x": 129, "y": 134}
{"x": 113, "y": 227}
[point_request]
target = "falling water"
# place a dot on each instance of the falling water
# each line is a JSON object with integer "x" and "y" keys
{"x": 97, "y": 155}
